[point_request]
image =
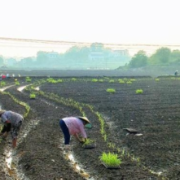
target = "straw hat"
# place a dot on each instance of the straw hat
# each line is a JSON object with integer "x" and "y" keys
{"x": 1, "y": 112}
{"x": 84, "y": 119}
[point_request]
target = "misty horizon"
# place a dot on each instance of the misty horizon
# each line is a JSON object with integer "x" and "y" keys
{"x": 21, "y": 48}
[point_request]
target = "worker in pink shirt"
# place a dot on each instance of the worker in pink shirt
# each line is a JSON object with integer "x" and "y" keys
{"x": 74, "y": 126}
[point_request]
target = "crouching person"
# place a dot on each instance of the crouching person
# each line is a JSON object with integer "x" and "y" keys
{"x": 74, "y": 126}
{"x": 12, "y": 122}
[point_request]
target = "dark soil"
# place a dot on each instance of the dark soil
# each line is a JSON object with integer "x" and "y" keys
{"x": 155, "y": 113}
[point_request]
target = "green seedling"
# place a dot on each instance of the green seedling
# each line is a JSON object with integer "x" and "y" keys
{"x": 28, "y": 79}
{"x": 32, "y": 96}
{"x": 3, "y": 83}
{"x": 111, "y": 81}
{"x": 17, "y": 83}
{"x": 101, "y": 80}
{"x": 123, "y": 152}
{"x": 73, "y": 79}
{"x": 113, "y": 146}
{"x": 105, "y": 137}
{"x": 139, "y": 91}
{"x": 157, "y": 79}
{"x": 121, "y": 81}
{"x": 110, "y": 159}
{"x": 109, "y": 145}
{"x": 129, "y": 82}
{"x": 94, "y": 80}
{"x": 118, "y": 150}
{"x": 59, "y": 81}
{"x": 89, "y": 144}
{"x": 51, "y": 80}
{"x": 110, "y": 90}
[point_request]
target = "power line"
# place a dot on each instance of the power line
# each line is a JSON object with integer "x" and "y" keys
{"x": 83, "y": 43}
{"x": 41, "y": 41}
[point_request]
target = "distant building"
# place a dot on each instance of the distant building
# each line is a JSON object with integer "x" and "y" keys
{"x": 96, "y": 56}
{"x": 53, "y": 55}
{"x": 108, "y": 59}
{"x": 120, "y": 53}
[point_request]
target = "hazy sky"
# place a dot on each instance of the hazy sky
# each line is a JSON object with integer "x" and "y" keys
{"x": 106, "y": 21}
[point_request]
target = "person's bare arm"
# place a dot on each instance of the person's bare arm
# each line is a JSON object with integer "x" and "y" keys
{"x": 81, "y": 140}
{"x": 14, "y": 141}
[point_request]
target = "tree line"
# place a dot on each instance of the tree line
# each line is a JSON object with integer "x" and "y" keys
{"x": 162, "y": 57}
{"x": 95, "y": 56}
{"x": 78, "y": 57}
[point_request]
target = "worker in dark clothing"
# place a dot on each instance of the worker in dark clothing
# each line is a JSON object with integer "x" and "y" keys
{"x": 12, "y": 122}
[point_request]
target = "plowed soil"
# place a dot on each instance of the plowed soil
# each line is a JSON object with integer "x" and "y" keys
{"x": 155, "y": 113}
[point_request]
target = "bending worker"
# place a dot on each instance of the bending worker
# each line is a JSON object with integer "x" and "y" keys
{"x": 74, "y": 126}
{"x": 12, "y": 122}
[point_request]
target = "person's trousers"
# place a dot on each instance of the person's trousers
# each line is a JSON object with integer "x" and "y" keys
{"x": 15, "y": 130}
{"x": 65, "y": 131}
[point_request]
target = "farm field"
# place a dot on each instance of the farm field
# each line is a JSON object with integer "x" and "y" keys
{"x": 155, "y": 113}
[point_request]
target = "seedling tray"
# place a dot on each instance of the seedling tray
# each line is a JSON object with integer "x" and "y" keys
{"x": 89, "y": 146}
{"x": 110, "y": 167}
